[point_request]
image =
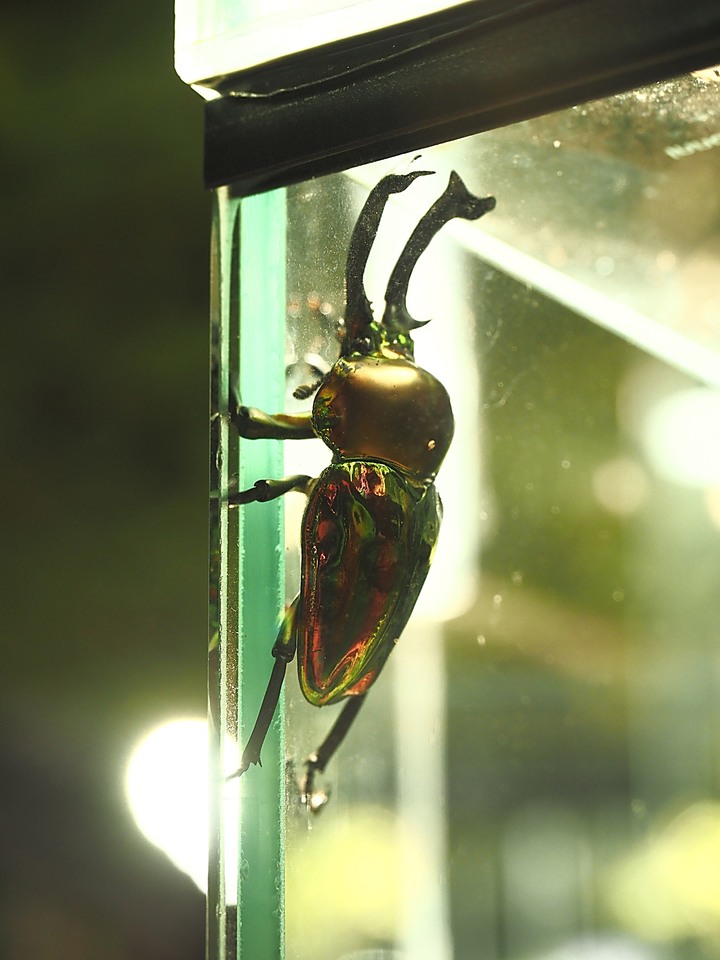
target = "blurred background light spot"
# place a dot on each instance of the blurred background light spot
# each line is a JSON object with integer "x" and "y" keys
{"x": 682, "y": 439}
{"x": 602, "y": 947}
{"x": 620, "y": 486}
{"x": 712, "y": 502}
{"x": 666, "y": 260}
{"x": 345, "y": 880}
{"x": 166, "y": 789}
{"x": 670, "y": 887}
{"x": 605, "y": 266}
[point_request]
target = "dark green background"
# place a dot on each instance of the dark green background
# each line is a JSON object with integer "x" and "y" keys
{"x": 104, "y": 468}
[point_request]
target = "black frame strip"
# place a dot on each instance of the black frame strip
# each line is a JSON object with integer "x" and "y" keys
{"x": 484, "y": 64}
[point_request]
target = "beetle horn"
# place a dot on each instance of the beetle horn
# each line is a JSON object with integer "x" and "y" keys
{"x": 358, "y": 313}
{"x": 456, "y": 201}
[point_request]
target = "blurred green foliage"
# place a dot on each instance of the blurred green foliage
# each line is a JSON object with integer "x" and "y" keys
{"x": 103, "y": 393}
{"x": 103, "y": 443}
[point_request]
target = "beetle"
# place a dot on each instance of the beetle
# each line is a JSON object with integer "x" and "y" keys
{"x": 373, "y": 515}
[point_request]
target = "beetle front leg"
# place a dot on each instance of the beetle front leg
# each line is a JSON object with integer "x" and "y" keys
{"x": 255, "y": 424}
{"x": 317, "y": 761}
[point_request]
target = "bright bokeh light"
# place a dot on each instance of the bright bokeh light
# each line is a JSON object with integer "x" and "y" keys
{"x": 345, "y": 881}
{"x": 166, "y": 788}
{"x": 682, "y": 439}
{"x": 601, "y": 946}
{"x": 669, "y": 888}
{"x": 620, "y": 486}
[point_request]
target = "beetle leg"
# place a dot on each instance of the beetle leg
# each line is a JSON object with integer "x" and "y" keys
{"x": 283, "y": 651}
{"x": 317, "y": 761}
{"x": 255, "y": 424}
{"x": 264, "y": 490}
{"x": 306, "y": 390}
{"x": 258, "y": 425}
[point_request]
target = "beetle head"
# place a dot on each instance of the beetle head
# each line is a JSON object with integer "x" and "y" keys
{"x": 362, "y": 334}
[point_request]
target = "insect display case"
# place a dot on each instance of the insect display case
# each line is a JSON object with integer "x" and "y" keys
{"x": 535, "y": 772}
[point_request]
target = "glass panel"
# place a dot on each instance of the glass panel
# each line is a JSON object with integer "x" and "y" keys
{"x": 535, "y": 773}
{"x": 247, "y": 583}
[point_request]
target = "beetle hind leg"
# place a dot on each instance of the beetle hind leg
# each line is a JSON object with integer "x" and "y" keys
{"x": 283, "y": 651}
{"x": 317, "y": 761}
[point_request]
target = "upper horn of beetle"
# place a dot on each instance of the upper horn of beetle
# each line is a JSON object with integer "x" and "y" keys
{"x": 455, "y": 202}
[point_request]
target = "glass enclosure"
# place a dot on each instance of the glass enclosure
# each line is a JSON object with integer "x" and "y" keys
{"x": 536, "y": 773}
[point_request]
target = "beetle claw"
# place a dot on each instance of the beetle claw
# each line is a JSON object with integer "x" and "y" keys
{"x": 237, "y": 773}
{"x": 314, "y": 799}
